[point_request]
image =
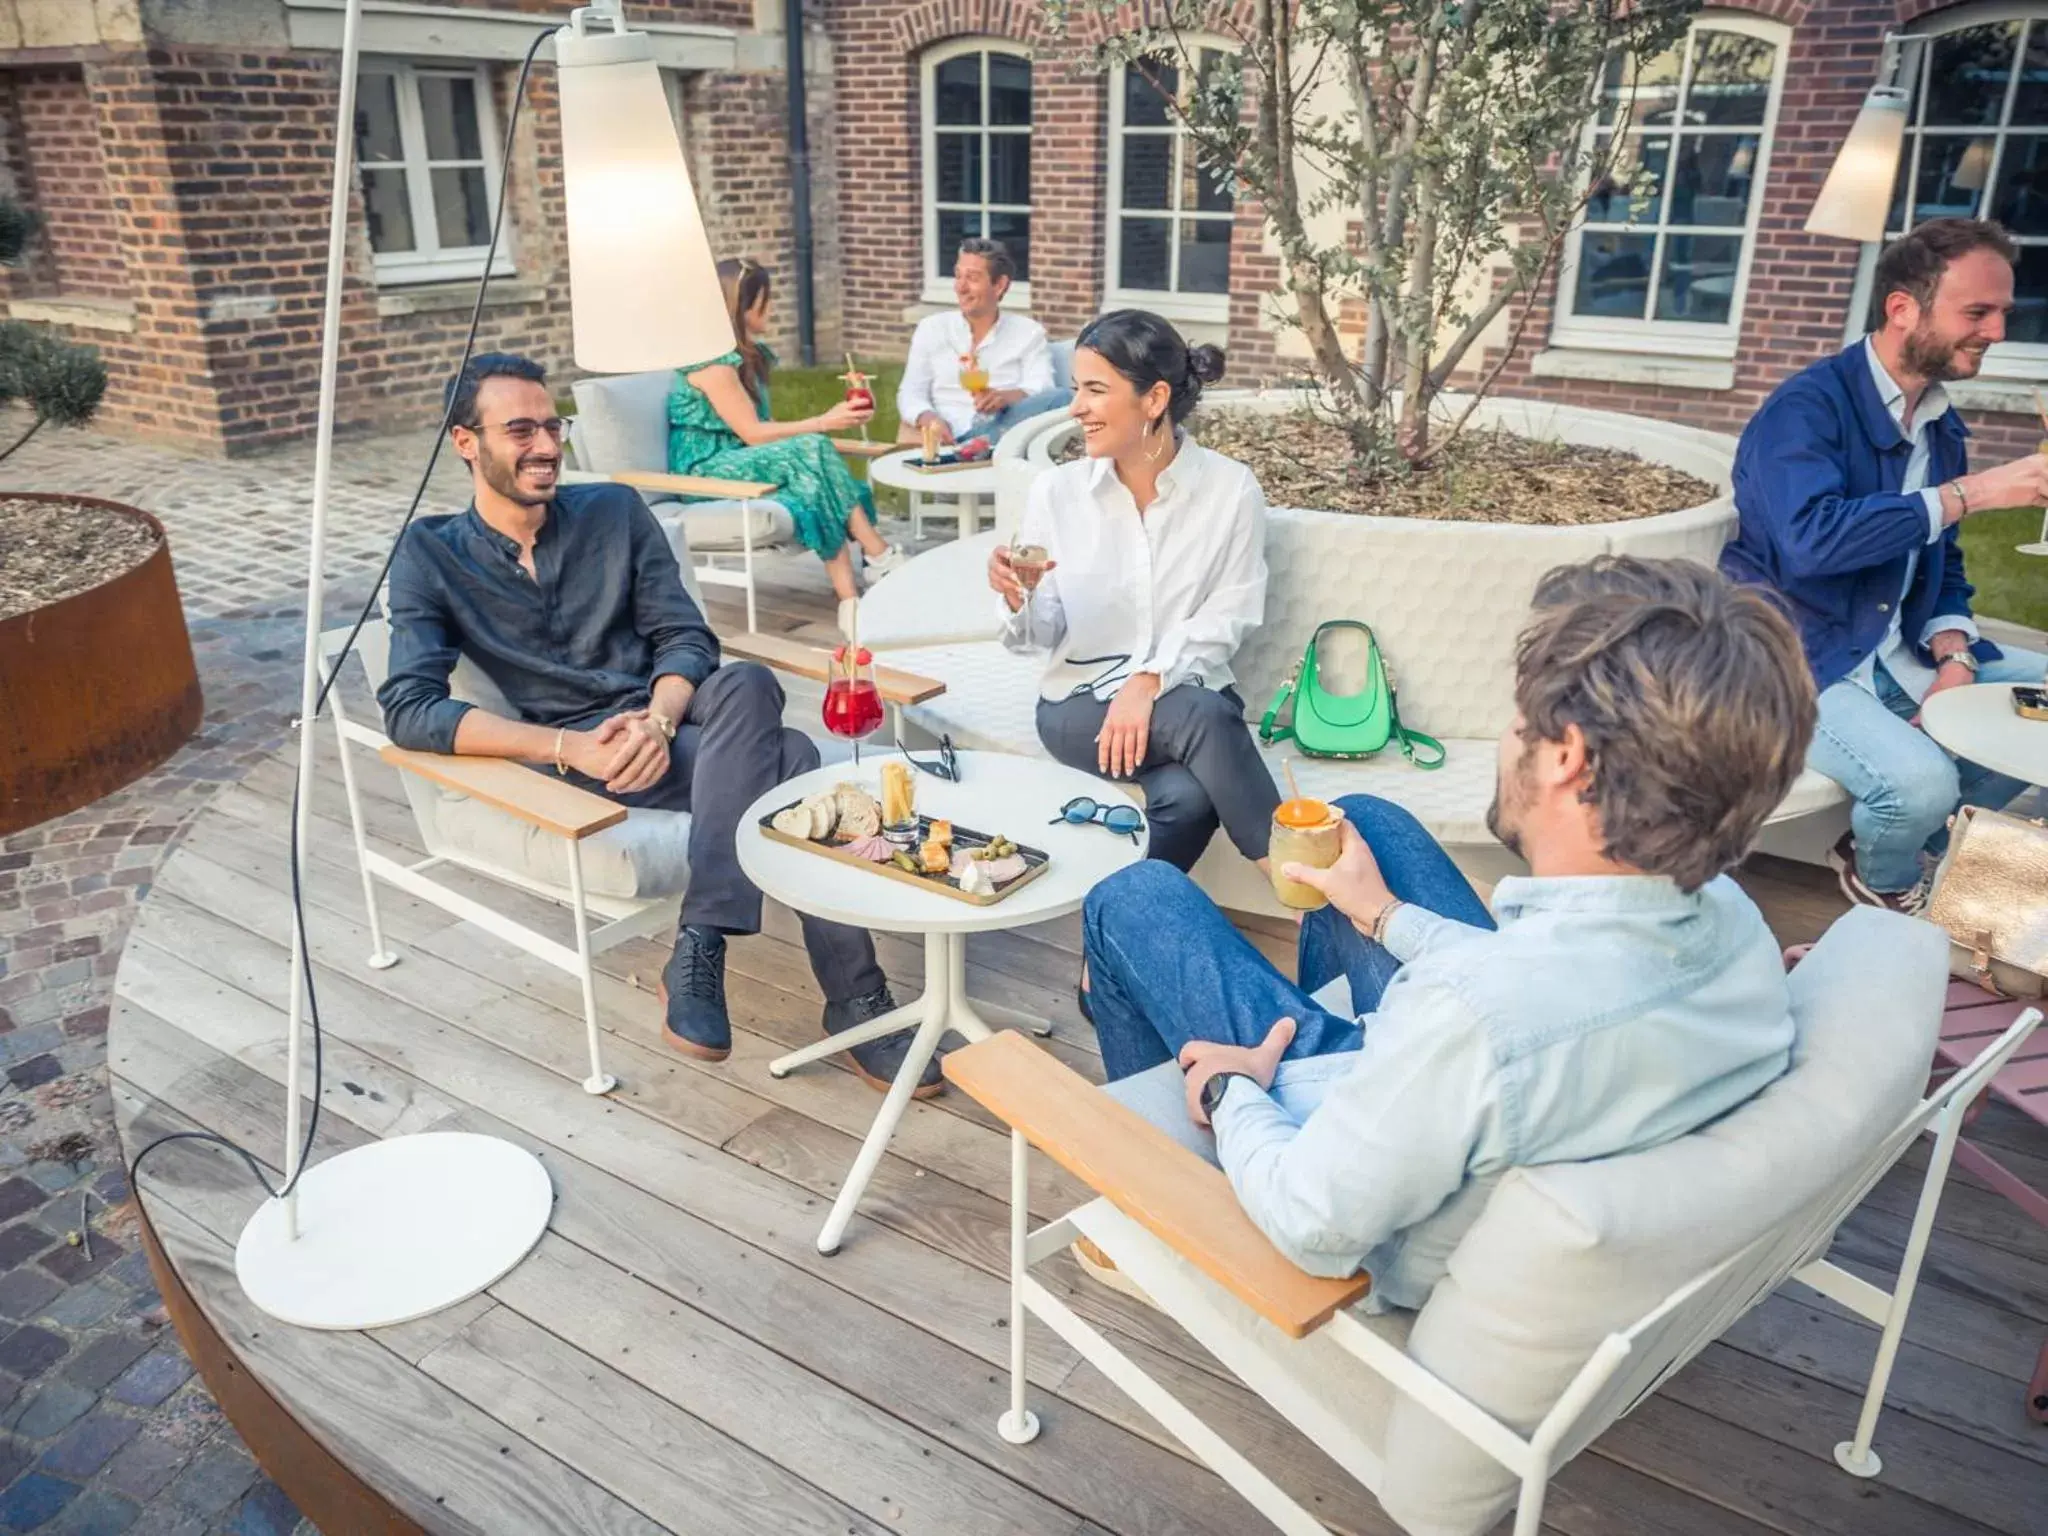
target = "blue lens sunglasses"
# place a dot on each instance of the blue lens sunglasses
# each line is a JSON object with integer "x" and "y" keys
{"x": 1126, "y": 820}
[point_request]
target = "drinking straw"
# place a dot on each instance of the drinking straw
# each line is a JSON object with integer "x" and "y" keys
{"x": 1287, "y": 767}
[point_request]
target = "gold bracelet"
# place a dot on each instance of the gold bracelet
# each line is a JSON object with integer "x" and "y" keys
{"x": 560, "y": 766}
{"x": 1962, "y": 496}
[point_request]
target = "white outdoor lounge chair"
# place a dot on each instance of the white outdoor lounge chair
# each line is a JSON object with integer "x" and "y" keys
{"x": 621, "y": 433}
{"x": 1575, "y": 1292}
{"x": 620, "y": 873}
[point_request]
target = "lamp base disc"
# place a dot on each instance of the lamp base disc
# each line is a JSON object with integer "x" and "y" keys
{"x": 2039, "y": 548}
{"x": 395, "y": 1230}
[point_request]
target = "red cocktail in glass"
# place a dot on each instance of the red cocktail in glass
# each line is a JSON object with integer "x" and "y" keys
{"x": 853, "y": 704}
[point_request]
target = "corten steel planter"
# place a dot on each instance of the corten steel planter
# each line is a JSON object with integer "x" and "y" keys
{"x": 96, "y": 688}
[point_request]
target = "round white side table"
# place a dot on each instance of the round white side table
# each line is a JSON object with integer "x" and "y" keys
{"x": 997, "y": 793}
{"x": 955, "y": 493}
{"x": 1979, "y": 723}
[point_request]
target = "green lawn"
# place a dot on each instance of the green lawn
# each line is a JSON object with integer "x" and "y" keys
{"x": 2009, "y": 585}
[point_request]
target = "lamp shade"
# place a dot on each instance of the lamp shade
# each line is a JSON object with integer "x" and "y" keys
{"x": 643, "y": 284}
{"x": 1858, "y": 192}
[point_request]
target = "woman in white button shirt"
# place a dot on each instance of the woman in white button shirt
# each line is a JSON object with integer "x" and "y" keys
{"x": 1157, "y": 573}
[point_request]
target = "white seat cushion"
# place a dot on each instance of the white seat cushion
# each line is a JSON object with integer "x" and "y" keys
{"x": 940, "y": 598}
{"x": 644, "y": 856}
{"x": 715, "y": 526}
{"x": 622, "y": 421}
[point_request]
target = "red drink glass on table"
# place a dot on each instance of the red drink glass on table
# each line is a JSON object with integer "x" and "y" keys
{"x": 853, "y": 704}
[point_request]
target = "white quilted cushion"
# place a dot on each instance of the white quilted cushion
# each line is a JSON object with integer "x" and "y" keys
{"x": 622, "y": 421}
{"x": 1446, "y": 606}
{"x": 1564, "y": 1255}
{"x": 940, "y": 598}
{"x": 645, "y": 855}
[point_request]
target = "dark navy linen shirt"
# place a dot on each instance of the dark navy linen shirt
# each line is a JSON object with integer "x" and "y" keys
{"x": 603, "y": 615}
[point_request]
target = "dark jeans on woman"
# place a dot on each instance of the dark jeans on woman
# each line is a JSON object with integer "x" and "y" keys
{"x": 1201, "y": 768}
{"x": 1166, "y": 966}
{"x": 730, "y": 747}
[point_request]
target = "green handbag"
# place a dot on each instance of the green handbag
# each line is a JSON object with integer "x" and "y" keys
{"x": 1342, "y": 701}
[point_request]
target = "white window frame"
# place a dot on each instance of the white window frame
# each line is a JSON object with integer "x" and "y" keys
{"x": 2022, "y": 361}
{"x": 1684, "y": 338}
{"x": 430, "y": 262}
{"x": 1198, "y": 308}
{"x": 937, "y": 284}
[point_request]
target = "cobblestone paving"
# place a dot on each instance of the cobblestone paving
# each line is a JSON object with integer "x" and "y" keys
{"x": 103, "y": 1426}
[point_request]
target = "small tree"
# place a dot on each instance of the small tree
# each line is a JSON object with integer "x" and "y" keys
{"x": 58, "y": 380}
{"x": 1463, "y": 151}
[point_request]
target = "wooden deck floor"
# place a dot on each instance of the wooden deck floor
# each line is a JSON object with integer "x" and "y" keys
{"x": 676, "y": 1356}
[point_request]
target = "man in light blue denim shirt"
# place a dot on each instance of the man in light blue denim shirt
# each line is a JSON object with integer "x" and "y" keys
{"x": 1623, "y": 993}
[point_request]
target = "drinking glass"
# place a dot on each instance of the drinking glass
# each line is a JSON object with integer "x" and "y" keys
{"x": 1029, "y": 561}
{"x": 973, "y": 377}
{"x": 2040, "y": 545}
{"x": 853, "y": 704}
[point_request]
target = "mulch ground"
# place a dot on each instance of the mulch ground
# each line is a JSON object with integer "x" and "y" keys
{"x": 50, "y": 550}
{"x": 1483, "y": 477}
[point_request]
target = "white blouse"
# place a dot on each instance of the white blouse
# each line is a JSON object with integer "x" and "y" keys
{"x": 1172, "y": 591}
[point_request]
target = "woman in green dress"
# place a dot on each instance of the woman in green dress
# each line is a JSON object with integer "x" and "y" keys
{"x": 718, "y": 424}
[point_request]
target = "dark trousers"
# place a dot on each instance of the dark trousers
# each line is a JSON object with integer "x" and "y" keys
{"x": 1167, "y": 967}
{"x": 1202, "y": 768}
{"x": 731, "y": 747}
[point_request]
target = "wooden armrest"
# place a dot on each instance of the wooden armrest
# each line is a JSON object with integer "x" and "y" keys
{"x": 552, "y": 804}
{"x": 1181, "y": 1200}
{"x": 695, "y": 485}
{"x": 863, "y": 448}
{"x": 801, "y": 660}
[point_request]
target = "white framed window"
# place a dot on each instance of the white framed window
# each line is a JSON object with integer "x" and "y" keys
{"x": 1977, "y": 147}
{"x": 1169, "y": 220}
{"x": 977, "y": 158}
{"x": 1666, "y": 271}
{"x": 427, "y": 150}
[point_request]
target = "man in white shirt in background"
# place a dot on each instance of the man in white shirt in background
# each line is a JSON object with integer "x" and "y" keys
{"x": 1011, "y": 349}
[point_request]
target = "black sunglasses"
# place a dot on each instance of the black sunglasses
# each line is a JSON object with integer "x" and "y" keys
{"x": 947, "y": 767}
{"x": 1126, "y": 820}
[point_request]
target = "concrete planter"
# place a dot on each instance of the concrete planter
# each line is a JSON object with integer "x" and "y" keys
{"x": 96, "y": 688}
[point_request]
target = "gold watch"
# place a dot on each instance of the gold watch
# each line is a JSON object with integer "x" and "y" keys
{"x": 1963, "y": 658}
{"x": 662, "y": 723}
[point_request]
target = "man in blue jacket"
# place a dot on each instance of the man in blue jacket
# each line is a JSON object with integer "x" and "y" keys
{"x": 1850, "y": 483}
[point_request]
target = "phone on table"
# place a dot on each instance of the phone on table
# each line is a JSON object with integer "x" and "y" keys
{"x": 2030, "y": 703}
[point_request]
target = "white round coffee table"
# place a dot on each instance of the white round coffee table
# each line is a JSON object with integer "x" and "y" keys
{"x": 997, "y": 793}
{"x": 1978, "y": 723}
{"x": 961, "y": 492}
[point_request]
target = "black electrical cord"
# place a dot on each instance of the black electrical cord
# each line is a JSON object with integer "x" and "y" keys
{"x": 334, "y": 672}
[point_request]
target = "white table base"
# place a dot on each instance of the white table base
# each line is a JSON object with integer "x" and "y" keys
{"x": 964, "y": 509}
{"x": 944, "y": 1005}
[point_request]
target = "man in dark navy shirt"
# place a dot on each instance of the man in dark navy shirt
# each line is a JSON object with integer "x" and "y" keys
{"x": 569, "y": 599}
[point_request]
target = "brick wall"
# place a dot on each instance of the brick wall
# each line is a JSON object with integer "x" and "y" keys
{"x": 58, "y": 171}
{"x": 1800, "y": 285}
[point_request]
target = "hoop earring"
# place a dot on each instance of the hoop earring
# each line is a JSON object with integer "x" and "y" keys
{"x": 1158, "y": 450}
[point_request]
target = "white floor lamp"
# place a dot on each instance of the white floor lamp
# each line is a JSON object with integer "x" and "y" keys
{"x": 403, "y": 1227}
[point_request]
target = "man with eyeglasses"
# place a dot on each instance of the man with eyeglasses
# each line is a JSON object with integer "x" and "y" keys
{"x": 569, "y": 599}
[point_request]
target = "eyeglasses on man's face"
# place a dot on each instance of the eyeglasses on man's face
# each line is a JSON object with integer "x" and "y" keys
{"x": 522, "y": 430}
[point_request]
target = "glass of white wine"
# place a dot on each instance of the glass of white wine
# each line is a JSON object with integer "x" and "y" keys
{"x": 1029, "y": 561}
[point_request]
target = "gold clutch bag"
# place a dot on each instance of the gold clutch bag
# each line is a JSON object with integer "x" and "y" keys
{"x": 1991, "y": 894}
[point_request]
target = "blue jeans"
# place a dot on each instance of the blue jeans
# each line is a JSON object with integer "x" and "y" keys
{"x": 1166, "y": 966}
{"x": 1904, "y": 785}
{"x": 993, "y": 427}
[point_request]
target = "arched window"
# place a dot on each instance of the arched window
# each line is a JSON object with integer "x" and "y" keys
{"x": 977, "y": 156}
{"x": 1666, "y": 271}
{"x": 1977, "y": 147}
{"x": 1169, "y": 221}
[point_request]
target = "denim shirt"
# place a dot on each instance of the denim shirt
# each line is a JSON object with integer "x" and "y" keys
{"x": 584, "y": 637}
{"x": 1606, "y": 1015}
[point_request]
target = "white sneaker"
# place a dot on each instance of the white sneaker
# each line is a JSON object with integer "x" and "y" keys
{"x": 875, "y": 567}
{"x": 848, "y": 608}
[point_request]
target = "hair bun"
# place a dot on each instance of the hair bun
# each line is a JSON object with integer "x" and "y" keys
{"x": 1205, "y": 363}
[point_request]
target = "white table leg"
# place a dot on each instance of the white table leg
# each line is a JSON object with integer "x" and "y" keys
{"x": 909, "y": 1016}
{"x": 945, "y": 970}
{"x": 992, "y": 1014}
